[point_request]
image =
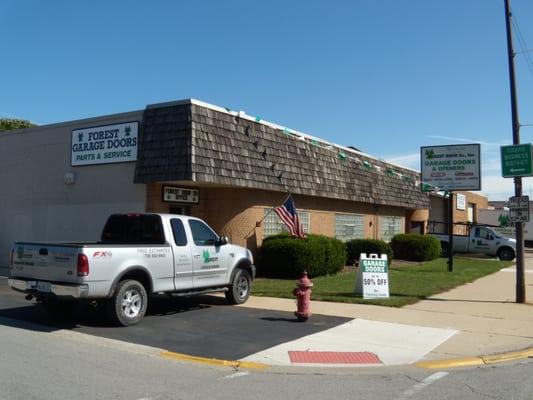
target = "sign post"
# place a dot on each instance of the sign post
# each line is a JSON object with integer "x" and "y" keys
{"x": 449, "y": 168}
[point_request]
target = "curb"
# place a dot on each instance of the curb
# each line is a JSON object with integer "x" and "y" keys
{"x": 476, "y": 361}
{"x": 212, "y": 361}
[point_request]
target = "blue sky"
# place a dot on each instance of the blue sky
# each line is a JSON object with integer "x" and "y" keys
{"x": 386, "y": 76}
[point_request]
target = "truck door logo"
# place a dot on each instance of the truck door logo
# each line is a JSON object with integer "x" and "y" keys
{"x": 205, "y": 255}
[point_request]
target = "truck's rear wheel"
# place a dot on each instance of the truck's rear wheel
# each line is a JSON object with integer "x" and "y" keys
{"x": 506, "y": 254}
{"x": 128, "y": 304}
{"x": 240, "y": 288}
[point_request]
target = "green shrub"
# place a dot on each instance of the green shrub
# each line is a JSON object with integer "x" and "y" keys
{"x": 413, "y": 247}
{"x": 284, "y": 256}
{"x": 369, "y": 246}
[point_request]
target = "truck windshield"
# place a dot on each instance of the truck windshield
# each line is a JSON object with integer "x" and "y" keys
{"x": 133, "y": 229}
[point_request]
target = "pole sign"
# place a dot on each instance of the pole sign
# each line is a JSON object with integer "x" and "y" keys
{"x": 453, "y": 167}
{"x": 373, "y": 276}
{"x": 516, "y": 160}
{"x": 519, "y": 209}
{"x": 104, "y": 144}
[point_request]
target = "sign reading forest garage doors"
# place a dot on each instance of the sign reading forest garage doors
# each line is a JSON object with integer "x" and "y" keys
{"x": 454, "y": 167}
{"x": 104, "y": 144}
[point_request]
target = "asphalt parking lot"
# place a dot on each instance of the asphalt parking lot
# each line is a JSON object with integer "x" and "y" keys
{"x": 203, "y": 326}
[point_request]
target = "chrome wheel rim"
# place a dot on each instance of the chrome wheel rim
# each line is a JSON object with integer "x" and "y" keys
{"x": 242, "y": 287}
{"x": 131, "y": 303}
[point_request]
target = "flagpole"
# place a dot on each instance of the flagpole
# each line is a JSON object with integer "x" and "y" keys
{"x": 258, "y": 223}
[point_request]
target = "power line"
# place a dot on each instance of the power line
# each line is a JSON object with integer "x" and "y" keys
{"x": 523, "y": 45}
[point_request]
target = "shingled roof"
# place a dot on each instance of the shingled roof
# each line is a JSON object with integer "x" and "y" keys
{"x": 192, "y": 141}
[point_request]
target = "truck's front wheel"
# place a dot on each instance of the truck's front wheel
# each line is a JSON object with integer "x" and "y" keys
{"x": 128, "y": 304}
{"x": 240, "y": 288}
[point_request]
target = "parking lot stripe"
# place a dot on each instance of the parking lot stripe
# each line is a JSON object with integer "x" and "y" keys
{"x": 212, "y": 361}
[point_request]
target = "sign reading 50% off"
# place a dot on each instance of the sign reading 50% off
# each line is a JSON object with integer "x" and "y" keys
{"x": 373, "y": 276}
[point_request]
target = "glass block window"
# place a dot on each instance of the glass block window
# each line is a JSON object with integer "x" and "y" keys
{"x": 349, "y": 226}
{"x": 389, "y": 227}
{"x": 272, "y": 225}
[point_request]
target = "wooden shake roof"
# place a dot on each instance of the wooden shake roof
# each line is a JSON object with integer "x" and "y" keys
{"x": 193, "y": 141}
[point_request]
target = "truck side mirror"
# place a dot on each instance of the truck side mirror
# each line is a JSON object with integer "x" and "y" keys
{"x": 222, "y": 240}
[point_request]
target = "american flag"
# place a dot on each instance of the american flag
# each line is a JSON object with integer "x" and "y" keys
{"x": 288, "y": 215}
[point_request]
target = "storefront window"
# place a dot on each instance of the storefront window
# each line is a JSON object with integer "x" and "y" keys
{"x": 272, "y": 225}
{"x": 390, "y": 226}
{"x": 349, "y": 226}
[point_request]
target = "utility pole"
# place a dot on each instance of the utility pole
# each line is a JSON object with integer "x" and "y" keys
{"x": 520, "y": 281}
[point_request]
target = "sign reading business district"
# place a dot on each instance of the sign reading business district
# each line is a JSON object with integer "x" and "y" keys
{"x": 516, "y": 160}
{"x": 175, "y": 194}
{"x": 104, "y": 144}
{"x": 453, "y": 167}
{"x": 373, "y": 276}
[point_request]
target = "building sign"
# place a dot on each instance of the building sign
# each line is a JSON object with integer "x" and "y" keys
{"x": 180, "y": 195}
{"x": 461, "y": 201}
{"x": 516, "y": 160}
{"x": 373, "y": 276}
{"x": 454, "y": 167}
{"x": 104, "y": 144}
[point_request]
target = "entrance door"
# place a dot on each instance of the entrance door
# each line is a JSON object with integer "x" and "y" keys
{"x": 180, "y": 210}
{"x": 209, "y": 261}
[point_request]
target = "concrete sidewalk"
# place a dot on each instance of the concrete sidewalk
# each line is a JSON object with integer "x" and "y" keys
{"x": 476, "y": 319}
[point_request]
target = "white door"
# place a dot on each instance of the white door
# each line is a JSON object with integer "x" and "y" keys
{"x": 182, "y": 256}
{"x": 210, "y": 261}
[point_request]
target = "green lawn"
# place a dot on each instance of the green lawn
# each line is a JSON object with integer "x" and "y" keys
{"x": 408, "y": 282}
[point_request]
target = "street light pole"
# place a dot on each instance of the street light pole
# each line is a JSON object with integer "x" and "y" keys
{"x": 520, "y": 281}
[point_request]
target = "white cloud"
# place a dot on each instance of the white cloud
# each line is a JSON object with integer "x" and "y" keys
{"x": 467, "y": 140}
{"x": 411, "y": 160}
{"x": 497, "y": 188}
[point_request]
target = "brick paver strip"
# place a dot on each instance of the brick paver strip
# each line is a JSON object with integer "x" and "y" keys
{"x": 333, "y": 357}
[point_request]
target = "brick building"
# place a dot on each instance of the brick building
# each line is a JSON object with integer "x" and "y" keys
{"x": 194, "y": 158}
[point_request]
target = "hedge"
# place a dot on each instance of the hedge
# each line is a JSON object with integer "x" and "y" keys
{"x": 414, "y": 247}
{"x": 284, "y": 256}
{"x": 369, "y": 246}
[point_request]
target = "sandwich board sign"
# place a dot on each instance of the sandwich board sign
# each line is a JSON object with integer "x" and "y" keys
{"x": 373, "y": 276}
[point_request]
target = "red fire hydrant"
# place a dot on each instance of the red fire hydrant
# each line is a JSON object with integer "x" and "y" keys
{"x": 303, "y": 296}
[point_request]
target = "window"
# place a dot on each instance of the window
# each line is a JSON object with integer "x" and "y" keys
{"x": 133, "y": 229}
{"x": 180, "y": 238}
{"x": 272, "y": 225}
{"x": 483, "y": 233}
{"x": 349, "y": 226}
{"x": 202, "y": 234}
{"x": 390, "y": 226}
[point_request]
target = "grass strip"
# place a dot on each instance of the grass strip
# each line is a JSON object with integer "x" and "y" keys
{"x": 408, "y": 282}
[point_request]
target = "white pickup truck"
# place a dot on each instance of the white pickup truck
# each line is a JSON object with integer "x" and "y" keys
{"x": 138, "y": 255}
{"x": 481, "y": 239}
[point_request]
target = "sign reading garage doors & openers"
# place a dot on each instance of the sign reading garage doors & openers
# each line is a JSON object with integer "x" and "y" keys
{"x": 104, "y": 144}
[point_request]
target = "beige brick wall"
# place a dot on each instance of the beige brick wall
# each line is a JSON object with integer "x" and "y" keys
{"x": 237, "y": 212}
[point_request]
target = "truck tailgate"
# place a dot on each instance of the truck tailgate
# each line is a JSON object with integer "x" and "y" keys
{"x": 45, "y": 261}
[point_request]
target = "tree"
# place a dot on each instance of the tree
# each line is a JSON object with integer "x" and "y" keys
{"x": 8, "y": 124}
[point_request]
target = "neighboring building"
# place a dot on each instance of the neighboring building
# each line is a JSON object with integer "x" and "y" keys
{"x": 61, "y": 181}
{"x": 465, "y": 211}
